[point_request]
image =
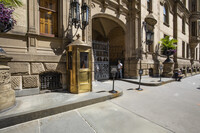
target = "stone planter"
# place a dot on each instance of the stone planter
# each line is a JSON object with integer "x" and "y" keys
{"x": 168, "y": 69}
{"x": 7, "y": 95}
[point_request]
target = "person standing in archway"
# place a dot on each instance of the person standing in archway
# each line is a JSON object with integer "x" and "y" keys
{"x": 119, "y": 68}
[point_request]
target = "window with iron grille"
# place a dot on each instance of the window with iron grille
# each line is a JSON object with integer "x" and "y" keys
{"x": 50, "y": 81}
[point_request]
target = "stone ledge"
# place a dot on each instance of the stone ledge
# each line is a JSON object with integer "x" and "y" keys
{"x": 36, "y": 113}
{"x": 27, "y": 92}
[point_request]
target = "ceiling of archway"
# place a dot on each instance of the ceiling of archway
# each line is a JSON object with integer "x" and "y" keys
{"x": 104, "y": 26}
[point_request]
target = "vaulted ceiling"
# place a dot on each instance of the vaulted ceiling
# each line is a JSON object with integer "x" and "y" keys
{"x": 103, "y": 26}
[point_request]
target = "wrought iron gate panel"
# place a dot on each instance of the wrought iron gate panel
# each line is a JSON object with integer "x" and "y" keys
{"x": 101, "y": 60}
{"x": 50, "y": 81}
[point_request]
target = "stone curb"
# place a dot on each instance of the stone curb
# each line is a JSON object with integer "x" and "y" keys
{"x": 156, "y": 84}
{"x": 11, "y": 120}
{"x": 149, "y": 84}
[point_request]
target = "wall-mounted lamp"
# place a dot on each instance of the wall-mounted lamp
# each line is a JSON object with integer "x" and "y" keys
{"x": 149, "y": 37}
{"x": 75, "y": 14}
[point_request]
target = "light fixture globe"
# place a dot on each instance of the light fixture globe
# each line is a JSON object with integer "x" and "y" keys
{"x": 75, "y": 12}
{"x": 150, "y": 19}
{"x": 85, "y": 15}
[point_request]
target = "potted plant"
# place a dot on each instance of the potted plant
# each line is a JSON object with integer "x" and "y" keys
{"x": 168, "y": 47}
{"x": 6, "y": 14}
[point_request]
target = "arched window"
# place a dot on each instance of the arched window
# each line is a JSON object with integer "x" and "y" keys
{"x": 165, "y": 15}
{"x": 149, "y": 5}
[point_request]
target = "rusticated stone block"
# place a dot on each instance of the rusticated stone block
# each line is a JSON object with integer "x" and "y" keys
{"x": 31, "y": 81}
{"x": 16, "y": 82}
{"x": 19, "y": 68}
{"x": 37, "y": 68}
{"x": 50, "y": 66}
{"x": 4, "y": 76}
{"x": 61, "y": 67}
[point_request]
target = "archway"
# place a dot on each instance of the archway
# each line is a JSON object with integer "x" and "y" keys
{"x": 107, "y": 31}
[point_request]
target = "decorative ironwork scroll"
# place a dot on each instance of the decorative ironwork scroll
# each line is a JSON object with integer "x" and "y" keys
{"x": 101, "y": 60}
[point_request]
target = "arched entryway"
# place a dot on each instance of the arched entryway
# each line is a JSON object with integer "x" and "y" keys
{"x": 108, "y": 35}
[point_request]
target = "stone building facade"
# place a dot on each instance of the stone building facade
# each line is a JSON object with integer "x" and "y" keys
{"x": 38, "y": 41}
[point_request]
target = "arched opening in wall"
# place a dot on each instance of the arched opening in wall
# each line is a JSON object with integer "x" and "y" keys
{"x": 50, "y": 81}
{"x": 108, "y": 45}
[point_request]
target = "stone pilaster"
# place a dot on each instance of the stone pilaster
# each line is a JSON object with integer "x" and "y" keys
{"x": 33, "y": 25}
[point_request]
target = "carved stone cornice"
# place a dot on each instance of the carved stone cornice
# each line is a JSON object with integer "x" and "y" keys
{"x": 169, "y": 5}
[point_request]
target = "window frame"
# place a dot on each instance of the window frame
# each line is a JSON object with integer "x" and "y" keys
{"x": 149, "y": 6}
{"x": 55, "y": 21}
{"x": 183, "y": 25}
{"x": 193, "y": 5}
{"x": 166, "y": 16}
{"x": 183, "y": 49}
{"x": 188, "y": 51}
{"x": 194, "y": 28}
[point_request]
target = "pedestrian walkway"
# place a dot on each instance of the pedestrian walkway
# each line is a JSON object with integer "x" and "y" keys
{"x": 150, "y": 81}
{"x": 37, "y": 106}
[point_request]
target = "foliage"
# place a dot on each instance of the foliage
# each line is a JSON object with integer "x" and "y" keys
{"x": 11, "y": 3}
{"x": 6, "y": 14}
{"x": 6, "y": 19}
{"x": 168, "y": 45}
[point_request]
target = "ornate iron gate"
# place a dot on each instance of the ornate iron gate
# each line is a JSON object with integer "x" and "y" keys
{"x": 101, "y": 60}
{"x": 50, "y": 81}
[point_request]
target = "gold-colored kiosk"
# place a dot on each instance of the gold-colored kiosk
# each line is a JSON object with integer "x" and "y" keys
{"x": 79, "y": 67}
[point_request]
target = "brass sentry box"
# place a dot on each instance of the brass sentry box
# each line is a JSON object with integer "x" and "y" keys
{"x": 79, "y": 67}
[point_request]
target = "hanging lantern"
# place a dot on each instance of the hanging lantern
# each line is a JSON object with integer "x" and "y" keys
{"x": 149, "y": 37}
{"x": 75, "y": 12}
{"x": 85, "y": 15}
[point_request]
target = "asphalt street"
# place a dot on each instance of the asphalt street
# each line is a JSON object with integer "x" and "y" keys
{"x": 170, "y": 108}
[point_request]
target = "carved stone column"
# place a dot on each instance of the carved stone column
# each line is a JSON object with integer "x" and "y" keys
{"x": 7, "y": 95}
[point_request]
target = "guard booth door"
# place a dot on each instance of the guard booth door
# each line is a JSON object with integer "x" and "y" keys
{"x": 84, "y": 69}
{"x": 101, "y": 60}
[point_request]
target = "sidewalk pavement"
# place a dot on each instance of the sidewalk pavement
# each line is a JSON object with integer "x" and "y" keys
{"x": 150, "y": 81}
{"x": 38, "y": 106}
{"x": 33, "y": 107}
